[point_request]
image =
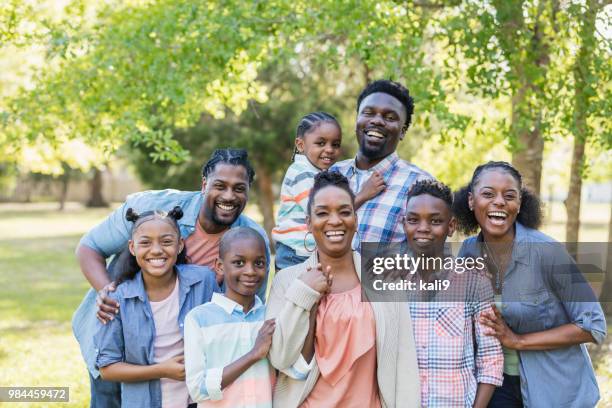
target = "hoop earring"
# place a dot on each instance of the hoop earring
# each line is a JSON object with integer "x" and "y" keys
{"x": 305, "y": 247}
{"x": 358, "y": 247}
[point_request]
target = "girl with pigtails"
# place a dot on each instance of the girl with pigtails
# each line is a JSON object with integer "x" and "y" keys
{"x": 142, "y": 345}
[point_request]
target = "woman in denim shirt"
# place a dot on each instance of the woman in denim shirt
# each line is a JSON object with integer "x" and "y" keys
{"x": 142, "y": 346}
{"x": 546, "y": 310}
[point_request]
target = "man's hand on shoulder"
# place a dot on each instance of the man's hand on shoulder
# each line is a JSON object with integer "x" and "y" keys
{"x": 107, "y": 306}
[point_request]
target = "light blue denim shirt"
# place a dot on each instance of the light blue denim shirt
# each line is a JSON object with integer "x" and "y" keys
{"x": 543, "y": 289}
{"x": 129, "y": 337}
{"x": 111, "y": 236}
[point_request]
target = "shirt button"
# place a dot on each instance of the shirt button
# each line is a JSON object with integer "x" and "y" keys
{"x": 181, "y": 325}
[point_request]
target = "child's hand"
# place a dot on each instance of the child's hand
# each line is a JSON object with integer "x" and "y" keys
{"x": 318, "y": 279}
{"x": 264, "y": 340}
{"x": 107, "y": 307}
{"x": 372, "y": 187}
{"x": 174, "y": 368}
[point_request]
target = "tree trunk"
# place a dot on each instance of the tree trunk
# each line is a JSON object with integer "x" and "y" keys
{"x": 265, "y": 198}
{"x": 528, "y": 160}
{"x": 606, "y": 290}
{"x": 96, "y": 199}
{"x": 65, "y": 179}
{"x": 581, "y": 106}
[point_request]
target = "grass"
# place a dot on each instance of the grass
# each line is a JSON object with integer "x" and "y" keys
{"x": 41, "y": 286}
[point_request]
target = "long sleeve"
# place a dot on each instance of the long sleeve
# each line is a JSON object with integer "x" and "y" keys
{"x": 291, "y": 309}
{"x": 574, "y": 291}
{"x": 489, "y": 356}
{"x": 109, "y": 343}
{"x": 203, "y": 383}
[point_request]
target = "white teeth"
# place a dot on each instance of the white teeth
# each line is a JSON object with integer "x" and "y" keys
{"x": 497, "y": 214}
{"x": 225, "y": 207}
{"x": 157, "y": 261}
{"x": 375, "y": 133}
{"x": 334, "y": 233}
{"x": 422, "y": 240}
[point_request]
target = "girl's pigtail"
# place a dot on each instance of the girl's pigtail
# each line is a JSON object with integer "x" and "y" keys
{"x": 131, "y": 215}
{"x": 176, "y": 213}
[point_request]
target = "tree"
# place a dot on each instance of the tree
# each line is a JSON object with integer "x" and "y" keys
{"x": 591, "y": 67}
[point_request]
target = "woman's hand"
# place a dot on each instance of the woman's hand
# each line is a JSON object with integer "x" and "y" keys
{"x": 107, "y": 307}
{"x": 173, "y": 368}
{"x": 497, "y": 327}
{"x": 263, "y": 342}
{"x": 318, "y": 279}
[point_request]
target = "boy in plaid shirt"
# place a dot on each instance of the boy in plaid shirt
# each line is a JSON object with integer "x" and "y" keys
{"x": 459, "y": 366}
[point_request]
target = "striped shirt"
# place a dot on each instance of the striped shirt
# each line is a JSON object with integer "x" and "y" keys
{"x": 380, "y": 219}
{"x": 453, "y": 352}
{"x": 291, "y": 227}
{"x": 217, "y": 334}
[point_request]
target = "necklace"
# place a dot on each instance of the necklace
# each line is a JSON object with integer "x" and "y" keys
{"x": 500, "y": 267}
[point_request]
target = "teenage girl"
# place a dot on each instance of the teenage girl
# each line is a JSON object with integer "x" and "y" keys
{"x": 142, "y": 346}
{"x": 317, "y": 147}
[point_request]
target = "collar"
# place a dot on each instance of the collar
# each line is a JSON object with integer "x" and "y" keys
{"x": 303, "y": 160}
{"x": 134, "y": 288}
{"x": 188, "y": 275}
{"x": 191, "y": 210}
{"x": 382, "y": 167}
{"x": 228, "y": 305}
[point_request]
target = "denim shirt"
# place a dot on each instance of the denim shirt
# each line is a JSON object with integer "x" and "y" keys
{"x": 111, "y": 236}
{"x": 130, "y": 335}
{"x": 543, "y": 289}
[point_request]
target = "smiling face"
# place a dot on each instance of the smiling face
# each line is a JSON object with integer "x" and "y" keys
{"x": 156, "y": 244}
{"x": 226, "y": 191}
{"x": 380, "y": 125}
{"x": 243, "y": 266}
{"x": 321, "y": 145}
{"x": 496, "y": 201}
{"x": 332, "y": 221}
{"x": 428, "y": 222}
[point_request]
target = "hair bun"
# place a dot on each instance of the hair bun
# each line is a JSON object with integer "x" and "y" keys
{"x": 131, "y": 215}
{"x": 176, "y": 213}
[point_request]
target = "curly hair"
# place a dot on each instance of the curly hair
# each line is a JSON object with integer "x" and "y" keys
{"x": 395, "y": 89}
{"x": 325, "y": 179}
{"x": 530, "y": 214}
{"x": 236, "y": 157}
{"x": 433, "y": 188}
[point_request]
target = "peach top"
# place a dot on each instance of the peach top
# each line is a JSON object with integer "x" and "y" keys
{"x": 345, "y": 349}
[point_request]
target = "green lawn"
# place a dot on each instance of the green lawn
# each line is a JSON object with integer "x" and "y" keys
{"x": 41, "y": 286}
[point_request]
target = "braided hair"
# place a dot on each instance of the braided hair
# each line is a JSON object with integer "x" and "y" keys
{"x": 126, "y": 263}
{"x": 309, "y": 123}
{"x": 530, "y": 214}
{"x": 236, "y": 157}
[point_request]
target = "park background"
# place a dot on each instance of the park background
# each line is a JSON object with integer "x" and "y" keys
{"x": 100, "y": 99}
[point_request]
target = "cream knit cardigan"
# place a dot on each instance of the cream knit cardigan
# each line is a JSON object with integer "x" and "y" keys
{"x": 290, "y": 302}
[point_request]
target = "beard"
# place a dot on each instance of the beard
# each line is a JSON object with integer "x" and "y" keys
{"x": 372, "y": 153}
{"x": 211, "y": 213}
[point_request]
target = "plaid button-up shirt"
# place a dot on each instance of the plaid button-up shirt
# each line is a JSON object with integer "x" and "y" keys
{"x": 380, "y": 219}
{"x": 453, "y": 353}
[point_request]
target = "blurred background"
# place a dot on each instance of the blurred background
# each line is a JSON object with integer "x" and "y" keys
{"x": 99, "y": 99}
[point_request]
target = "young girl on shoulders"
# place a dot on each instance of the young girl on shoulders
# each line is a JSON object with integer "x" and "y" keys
{"x": 227, "y": 339}
{"x": 317, "y": 147}
{"x": 142, "y": 346}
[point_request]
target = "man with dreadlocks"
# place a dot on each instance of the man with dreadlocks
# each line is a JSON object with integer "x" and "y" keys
{"x": 226, "y": 179}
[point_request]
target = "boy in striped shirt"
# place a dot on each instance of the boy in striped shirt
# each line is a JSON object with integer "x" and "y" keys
{"x": 227, "y": 339}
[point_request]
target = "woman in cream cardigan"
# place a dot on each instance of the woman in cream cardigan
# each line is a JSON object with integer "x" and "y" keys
{"x": 330, "y": 348}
